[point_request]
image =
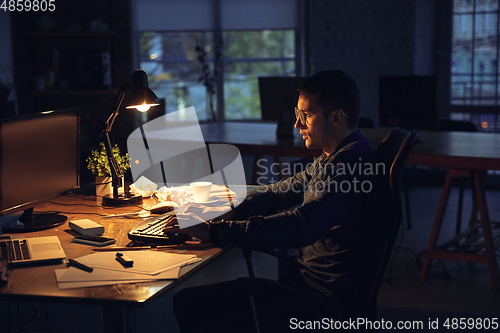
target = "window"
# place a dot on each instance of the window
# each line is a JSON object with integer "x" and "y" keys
{"x": 237, "y": 39}
{"x": 174, "y": 67}
{"x": 474, "y": 65}
{"x": 248, "y": 55}
{"x": 170, "y": 59}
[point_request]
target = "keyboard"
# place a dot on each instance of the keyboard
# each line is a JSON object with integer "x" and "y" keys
{"x": 18, "y": 250}
{"x": 153, "y": 231}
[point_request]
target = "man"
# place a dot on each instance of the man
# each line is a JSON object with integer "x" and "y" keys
{"x": 335, "y": 228}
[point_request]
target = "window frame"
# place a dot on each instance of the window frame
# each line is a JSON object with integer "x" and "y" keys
{"x": 444, "y": 55}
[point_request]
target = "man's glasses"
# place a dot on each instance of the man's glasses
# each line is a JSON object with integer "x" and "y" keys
{"x": 299, "y": 114}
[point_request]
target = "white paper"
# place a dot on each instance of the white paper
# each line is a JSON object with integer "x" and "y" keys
{"x": 143, "y": 186}
{"x": 145, "y": 262}
{"x": 73, "y": 274}
{"x": 84, "y": 284}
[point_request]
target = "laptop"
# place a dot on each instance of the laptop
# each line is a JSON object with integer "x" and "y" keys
{"x": 32, "y": 250}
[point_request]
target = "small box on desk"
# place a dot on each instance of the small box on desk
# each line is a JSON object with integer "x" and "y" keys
{"x": 86, "y": 227}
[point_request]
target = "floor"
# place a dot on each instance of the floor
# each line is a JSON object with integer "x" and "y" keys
{"x": 454, "y": 289}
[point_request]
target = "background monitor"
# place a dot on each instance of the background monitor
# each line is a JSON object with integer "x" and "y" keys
{"x": 278, "y": 99}
{"x": 408, "y": 101}
{"x": 39, "y": 156}
{"x": 278, "y": 94}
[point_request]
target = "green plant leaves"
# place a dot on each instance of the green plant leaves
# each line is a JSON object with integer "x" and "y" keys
{"x": 98, "y": 162}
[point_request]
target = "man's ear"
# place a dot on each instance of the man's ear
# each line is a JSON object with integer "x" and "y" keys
{"x": 336, "y": 117}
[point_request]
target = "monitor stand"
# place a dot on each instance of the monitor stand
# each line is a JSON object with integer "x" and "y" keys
{"x": 29, "y": 222}
{"x": 286, "y": 124}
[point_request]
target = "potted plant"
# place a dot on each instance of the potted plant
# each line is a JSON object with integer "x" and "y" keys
{"x": 99, "y": 165}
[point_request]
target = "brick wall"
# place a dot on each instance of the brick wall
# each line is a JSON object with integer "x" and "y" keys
{"x": 367, "y": 39}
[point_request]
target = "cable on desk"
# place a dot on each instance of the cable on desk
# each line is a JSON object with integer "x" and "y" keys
{"x": 60, "y": 212}
{"x": 95, "y": 206}
{"x": 81, "y": 204}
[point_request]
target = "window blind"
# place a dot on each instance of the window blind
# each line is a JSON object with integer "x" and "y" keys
{"x": 185, "y": 15}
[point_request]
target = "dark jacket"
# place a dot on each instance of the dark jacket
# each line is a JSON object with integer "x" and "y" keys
{"x": 341, "y": 204}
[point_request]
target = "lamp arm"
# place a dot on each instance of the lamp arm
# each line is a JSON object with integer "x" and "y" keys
{"x": 123, "y": 91}
{"x": 116, "y": 173}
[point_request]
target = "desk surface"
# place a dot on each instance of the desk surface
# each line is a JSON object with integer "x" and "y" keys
{"x": 463, "y": 150}
{"x": 39, "y": 282}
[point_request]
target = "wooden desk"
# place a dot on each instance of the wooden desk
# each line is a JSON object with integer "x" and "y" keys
{"x": 479, "y": 151}
{"x": 465, "y": 154}
{"x": 39, "y": 283}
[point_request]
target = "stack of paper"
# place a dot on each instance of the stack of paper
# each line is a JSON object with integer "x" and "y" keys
{"x": 148, "y": 266}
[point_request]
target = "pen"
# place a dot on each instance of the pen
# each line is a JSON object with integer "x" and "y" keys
{"x": 81, "y": 266}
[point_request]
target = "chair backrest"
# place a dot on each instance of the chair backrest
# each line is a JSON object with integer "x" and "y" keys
{"x": 364, "y": 122}
{"x": 393, "y": 151}
{"x": 457, "y": 125}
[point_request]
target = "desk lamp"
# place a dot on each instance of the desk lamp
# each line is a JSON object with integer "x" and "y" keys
{"x": 141, "y": 98}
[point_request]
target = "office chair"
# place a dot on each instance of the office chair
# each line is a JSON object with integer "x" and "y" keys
{"x": 393, "y": 151}
{"x": 365, "y": 122}
{"x": 457, "y": 125}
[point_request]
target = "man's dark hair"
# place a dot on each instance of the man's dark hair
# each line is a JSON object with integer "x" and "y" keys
{"x": 336, "y": 90}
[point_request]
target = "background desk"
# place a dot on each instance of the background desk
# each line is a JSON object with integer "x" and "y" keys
{"x": 38, "y": 283}
{"x": 479, "y": 151}
{"x": 464, "y": 154}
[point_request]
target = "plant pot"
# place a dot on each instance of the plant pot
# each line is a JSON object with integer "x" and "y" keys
{"x": 103, "y": 186}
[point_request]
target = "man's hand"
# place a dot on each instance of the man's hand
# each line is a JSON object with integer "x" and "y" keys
{"x": 198, "y": 228}
{"x": 199, "y": 231}
{"x": 207, "y": 213}
{"x": 196, "y": 216}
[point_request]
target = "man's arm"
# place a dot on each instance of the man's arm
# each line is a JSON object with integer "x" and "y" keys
{"x": 270, "y": 199}
{"x": 330, "y": 200}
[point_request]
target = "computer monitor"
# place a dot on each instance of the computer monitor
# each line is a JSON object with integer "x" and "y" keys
{"x": 278, "y": 99}
{"x": 408, "y": 101}
{"x": 39, "y": 158}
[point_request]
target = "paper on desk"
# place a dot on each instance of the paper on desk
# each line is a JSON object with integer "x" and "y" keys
{"x": 221, "y": 191}
{"x": 74, "y": 278}
{"x": 90, "y": 283}
{"x": 73, "y": 274}
{"x": 183, "y": 194}
{"x": 74, "y": 285}
{"x": 143, "y": 186}
{"x": 145, "y": 262}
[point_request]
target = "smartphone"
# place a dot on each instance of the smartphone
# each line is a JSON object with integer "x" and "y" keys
{"x": 94, "y": 240}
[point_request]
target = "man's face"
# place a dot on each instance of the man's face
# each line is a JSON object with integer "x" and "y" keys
{"x": 317, "y": 130}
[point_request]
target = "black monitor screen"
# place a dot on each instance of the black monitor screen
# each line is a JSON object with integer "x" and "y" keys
{"x": 277, "y": 95}
{"x": 408, "y": 101}
{"x": 39, "y": 156}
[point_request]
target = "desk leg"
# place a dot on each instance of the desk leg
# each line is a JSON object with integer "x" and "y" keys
{"x": 480, "y": 205}
{"x": 486, "y": 225}
{"x": 119, "y": 319}
{"x": 438, "y": 221}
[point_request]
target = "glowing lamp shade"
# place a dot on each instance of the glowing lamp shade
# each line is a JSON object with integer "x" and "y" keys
{"x": 141, "y": 97}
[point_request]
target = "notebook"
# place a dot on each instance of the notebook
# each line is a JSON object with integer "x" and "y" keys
{"x": 33, "y": 250}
